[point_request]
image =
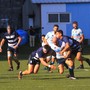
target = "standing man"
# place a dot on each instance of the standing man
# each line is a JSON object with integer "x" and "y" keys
{"x": 49, "y": 38}
{"x": 13, "y": 40}
{"x": 78, "y": 35}
{"x": 50, "y": 35}
{"x": 32, "y": 36}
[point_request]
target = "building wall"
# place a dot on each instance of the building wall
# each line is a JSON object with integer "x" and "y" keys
{"x": 79, "y": 12}
{"x": 11, "y": 10}
{"x": 30, "y": 9}
{"x": 25, "y": 12}
{"x": 51, "y": 8}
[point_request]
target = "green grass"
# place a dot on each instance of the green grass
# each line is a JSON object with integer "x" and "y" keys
{"x": 43, "y": 80}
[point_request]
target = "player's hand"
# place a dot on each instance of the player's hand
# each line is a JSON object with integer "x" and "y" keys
{"x": 0, "y": 50}
{"x": 15, "y": 47}
{"x": 61, "y": 53}
{"x": 53, "y": 67}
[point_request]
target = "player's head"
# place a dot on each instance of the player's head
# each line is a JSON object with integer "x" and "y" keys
{"x": 9, "y": 29}
{"x": 55, "y": 28}
{"x": 43, "y": 37}
{"x": 46, "y": 48}
{"x": 75, "y": 24}
{"x": 59, "y": 34}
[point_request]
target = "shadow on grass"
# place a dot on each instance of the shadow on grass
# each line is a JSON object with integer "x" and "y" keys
{"x": 83, "y": 77}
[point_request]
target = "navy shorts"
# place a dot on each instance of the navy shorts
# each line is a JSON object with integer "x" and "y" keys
{"x": 61, "y": 61}
{"x": 14, "y": 51}
{"x": 33, "y": 61}
{"x": 75, "y": 51}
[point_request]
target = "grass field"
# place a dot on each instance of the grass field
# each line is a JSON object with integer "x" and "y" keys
{"x": 43, "y": 80}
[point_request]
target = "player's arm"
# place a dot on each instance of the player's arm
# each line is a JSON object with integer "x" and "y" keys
{"x": 72, "y": 37}
{"x": 67, "y": 54}
{"x": 81, "y": 38}
{"x": 1, "y": 44}
{"x": 67, "y": 46}
{"x": 19, "y": 40}
{"x": 45, "y": 64}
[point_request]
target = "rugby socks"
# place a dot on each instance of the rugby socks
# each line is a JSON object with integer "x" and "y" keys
{"x": 66, "y": 65}
{"x": 71, "y": 71}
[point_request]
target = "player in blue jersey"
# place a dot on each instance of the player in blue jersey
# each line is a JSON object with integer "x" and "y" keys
{"x": 13, "y": 40}
{"x": 35, "y": 58}
{"x": 63, "y": 59}
{"x": 72, "y": 44}
{"x": 49, "y": 38}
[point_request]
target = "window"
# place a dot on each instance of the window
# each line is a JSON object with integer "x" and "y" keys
{"x": 59, "y": 17}
{"x": 64, "y": 18}
{"x": 53, "y": 17}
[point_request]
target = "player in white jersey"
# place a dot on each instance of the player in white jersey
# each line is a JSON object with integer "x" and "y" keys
{"x": 50, "y": 35}
{"x": 43, "y": 42}
{"x": 78, "y": 35}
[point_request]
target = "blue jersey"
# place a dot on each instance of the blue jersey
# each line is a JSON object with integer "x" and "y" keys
{"x": 73, "y": 43}
{"x": 40, "y": 54}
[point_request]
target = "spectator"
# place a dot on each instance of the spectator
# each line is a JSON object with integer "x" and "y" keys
{"x": 32, "y": 36}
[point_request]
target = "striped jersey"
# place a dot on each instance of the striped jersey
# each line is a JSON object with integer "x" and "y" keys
{"x": 12, "y": 38}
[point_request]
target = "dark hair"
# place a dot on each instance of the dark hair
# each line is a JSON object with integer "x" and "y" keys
{"x": 60, "y": 31}
{"x": 56, "y": 25}
{"x": 43, "y": 35}
{"x": 47, "y": 47}
{"x": 75, "y": 22}
{"x": 11, "y": 27}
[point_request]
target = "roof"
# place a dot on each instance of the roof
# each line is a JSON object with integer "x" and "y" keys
{"x": 60, "y": 1}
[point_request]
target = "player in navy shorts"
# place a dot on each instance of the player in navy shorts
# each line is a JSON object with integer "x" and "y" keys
{"x": 36, "y": 58}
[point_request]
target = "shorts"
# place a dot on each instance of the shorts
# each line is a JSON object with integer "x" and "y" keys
{"x": 14, "y": 51}
{"x": 33, "y": 61}
{"x": 75, "y": 51}
{"x": 61, "y": 61}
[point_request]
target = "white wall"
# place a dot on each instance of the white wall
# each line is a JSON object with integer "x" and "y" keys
{"x": 51, "y": 8}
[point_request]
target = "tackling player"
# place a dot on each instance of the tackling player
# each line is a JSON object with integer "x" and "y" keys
{"x": 35, "y": 58}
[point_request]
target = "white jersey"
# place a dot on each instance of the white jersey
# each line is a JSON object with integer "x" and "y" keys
{"x": 43, "y": 43}
{"x": 76, "y": 33}
{"x": 49, "y": 37}
{"x": 57, "y": 50}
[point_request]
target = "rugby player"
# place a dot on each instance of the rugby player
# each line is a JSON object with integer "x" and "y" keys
{"x": 70, "y": 43}
{"x": 63, "y": 59}
{"x": 13, "y": 41}
{"x": 78, "y": 35}
{"x": 35, "y": 58}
